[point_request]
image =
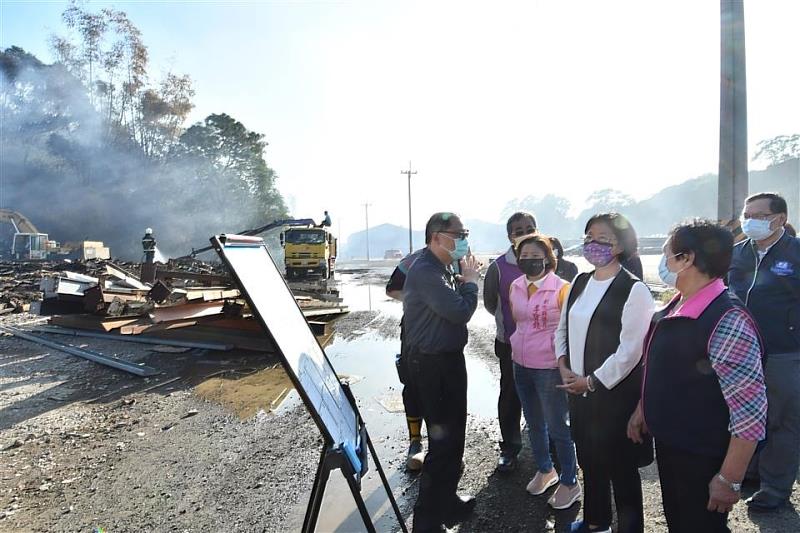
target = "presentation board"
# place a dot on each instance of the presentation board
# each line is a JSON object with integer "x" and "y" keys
{"x": 274, "y": 306}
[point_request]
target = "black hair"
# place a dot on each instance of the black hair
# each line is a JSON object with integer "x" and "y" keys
{"x": 558, "y": 248}
{"x": 544, "y": 245}
{"x": 777, "y": 203}
{"x": 438, "y": 222}
{"x": 711, "y": 243}
{"x": 623, "y": 231}
{"x": 516, "y": 217}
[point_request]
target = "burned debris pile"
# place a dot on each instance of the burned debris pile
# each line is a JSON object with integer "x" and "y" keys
{"x": 188, "y": 303}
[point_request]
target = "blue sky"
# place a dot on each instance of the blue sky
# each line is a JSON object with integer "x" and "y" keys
{"x": 490, "y": 100}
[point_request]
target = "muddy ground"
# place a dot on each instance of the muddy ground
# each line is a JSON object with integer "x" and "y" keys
{"x": 196, "y": 448}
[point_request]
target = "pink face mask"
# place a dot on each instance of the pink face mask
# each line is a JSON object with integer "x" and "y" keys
{"x": 598, "y": 253}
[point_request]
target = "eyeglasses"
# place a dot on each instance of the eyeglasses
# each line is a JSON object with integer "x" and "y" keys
{"x": 757, "y": 216}
{"x": 460, "y": 234}
{"x": 520, "y": 232}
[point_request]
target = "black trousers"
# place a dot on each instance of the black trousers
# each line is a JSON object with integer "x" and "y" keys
{"x": 509, "y": 410}
{"x": 441, "y": 384}
{"x": 684, "y": 491}
{"x": 601, "y": 473}
{"x": 410, "y": 400}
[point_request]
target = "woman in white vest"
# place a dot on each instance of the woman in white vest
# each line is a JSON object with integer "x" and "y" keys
{"x": 536, "y": 300}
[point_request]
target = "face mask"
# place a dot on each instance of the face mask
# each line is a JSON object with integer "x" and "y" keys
{"x": 532, "y": 267}
{"x": 758, "y": 230}
{"x": 461, "y": 249}
{"x": 669, "y": 277}
{"x": 598, "y": 253}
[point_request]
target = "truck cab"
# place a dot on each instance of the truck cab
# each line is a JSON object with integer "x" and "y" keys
{"x": 309, "y": 251}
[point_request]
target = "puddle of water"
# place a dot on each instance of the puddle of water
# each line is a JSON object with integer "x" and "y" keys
{"x": 247, "y": 395}
{"x": 360, "y": 296}
{"x": 372, "y": 357}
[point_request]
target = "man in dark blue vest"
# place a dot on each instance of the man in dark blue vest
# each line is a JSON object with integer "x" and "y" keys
{"x": 765, "y": 275}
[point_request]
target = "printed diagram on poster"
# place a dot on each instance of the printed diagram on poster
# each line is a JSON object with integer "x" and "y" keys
{"x": 275, "y": 305}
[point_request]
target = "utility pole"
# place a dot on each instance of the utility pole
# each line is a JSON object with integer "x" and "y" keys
{"x": 366, "y": 218}
{"x": 408, "y": 173}
{"x": 733, "y": 174}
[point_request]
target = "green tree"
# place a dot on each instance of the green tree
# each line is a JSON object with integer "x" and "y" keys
{"x": 230, "y": 158}
{"x": 107, "y": 53}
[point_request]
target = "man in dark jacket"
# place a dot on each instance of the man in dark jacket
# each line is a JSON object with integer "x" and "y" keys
{"x": 437, "y": 304}
{"x": 765, "y": 275}
{"x": 394, "y": 289}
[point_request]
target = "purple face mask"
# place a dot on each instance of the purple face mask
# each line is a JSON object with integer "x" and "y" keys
{"x": 598, "y": 253}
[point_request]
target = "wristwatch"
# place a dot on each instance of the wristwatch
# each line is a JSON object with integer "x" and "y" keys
{"x": 735, "y": 487}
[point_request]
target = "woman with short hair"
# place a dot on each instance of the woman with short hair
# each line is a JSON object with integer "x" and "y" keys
{"x": 705, "y": 345}
{"x": 536, "y": 300}
{"x": 599, "y": 342}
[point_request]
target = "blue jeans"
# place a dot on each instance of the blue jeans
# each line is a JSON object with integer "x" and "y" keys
{"x": 546, "y": 412}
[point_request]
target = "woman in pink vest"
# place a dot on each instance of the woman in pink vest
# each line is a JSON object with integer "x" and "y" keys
{"x": 536, "y": 300}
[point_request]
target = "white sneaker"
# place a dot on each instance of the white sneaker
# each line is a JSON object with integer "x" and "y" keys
{"x": 565, "y": 496}
{"x": 541, "y": 482}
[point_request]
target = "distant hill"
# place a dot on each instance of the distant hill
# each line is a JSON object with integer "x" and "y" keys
{"x": 696, "y": 197}
{"x": 381, "y": 238}
{"x": 484, "y": 237}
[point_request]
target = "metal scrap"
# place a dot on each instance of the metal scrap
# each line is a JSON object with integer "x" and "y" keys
{"x": 107, "y": 360}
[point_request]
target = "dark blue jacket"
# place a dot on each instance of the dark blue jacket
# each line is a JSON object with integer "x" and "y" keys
{"x": 436, "y": 307}
{"x": 771, "y": 290}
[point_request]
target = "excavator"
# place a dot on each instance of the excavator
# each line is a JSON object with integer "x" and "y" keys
{"x": 28, "y": 243}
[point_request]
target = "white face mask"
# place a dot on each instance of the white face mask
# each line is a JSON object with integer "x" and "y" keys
{"x": 758, "y": 230}
{"x": 669, "y": 278}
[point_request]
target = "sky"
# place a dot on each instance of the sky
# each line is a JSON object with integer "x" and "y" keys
{"x": 489, "y": 101}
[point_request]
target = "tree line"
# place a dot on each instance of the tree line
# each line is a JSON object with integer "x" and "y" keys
{"x": 94, "y": 147}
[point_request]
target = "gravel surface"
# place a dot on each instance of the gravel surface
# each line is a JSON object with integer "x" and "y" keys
{"x": 84, "y": 447}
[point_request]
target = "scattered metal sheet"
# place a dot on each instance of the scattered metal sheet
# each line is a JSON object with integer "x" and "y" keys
{"x": 107, "y": 360}
{"x": 125, "y": 277}
{"x": 186, "y": 311}
{"x": 139, "y": 339}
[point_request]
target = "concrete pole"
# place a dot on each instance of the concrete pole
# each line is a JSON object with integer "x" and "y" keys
{"x": 733, "y": 173}
{"x": 366, "y": 220}
{"x": 409, "y": 172}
